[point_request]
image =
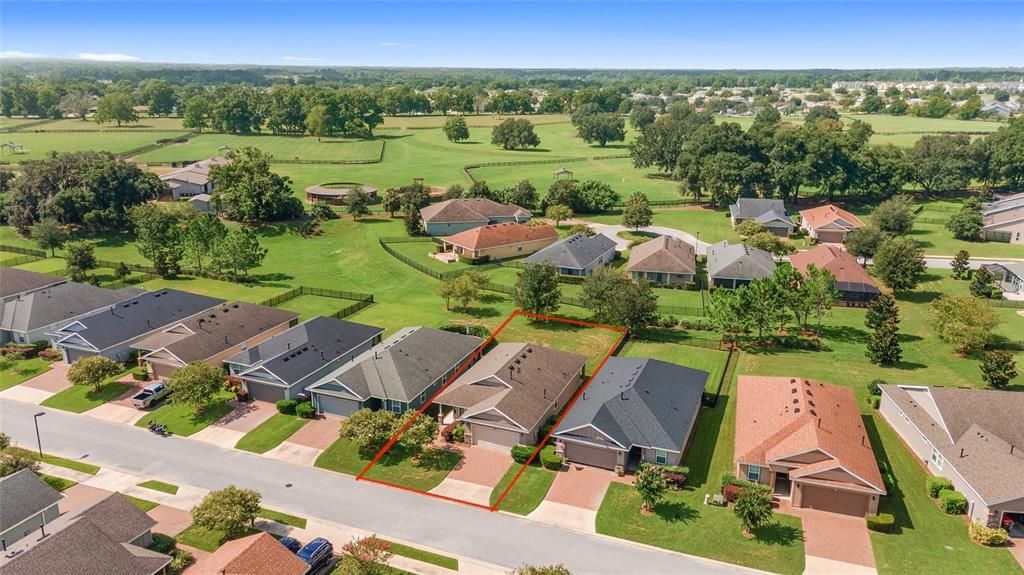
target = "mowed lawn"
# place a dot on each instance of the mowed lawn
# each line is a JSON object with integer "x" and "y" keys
{"x": 144, "y": 123}
{"x": 280, "y": 147}
{"x": 38, "y": 145}
{"x": 21, "y": 371}
{"x": 594, "y": 343}
{"x": 82, "y": 398}
{"x": 527, "y": 492}
{"x": 393, "y": 467}
{"x": 271, "y": 433}
{"x": 181, "y": 418}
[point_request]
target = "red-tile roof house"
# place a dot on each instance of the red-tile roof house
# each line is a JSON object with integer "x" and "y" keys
{"x": 806, "y": 440}
{"x": 853, "y": 282}
{"x": 258, "y": 554}
{"x": 829, "y": 224}
{"x": 500, "y": 241}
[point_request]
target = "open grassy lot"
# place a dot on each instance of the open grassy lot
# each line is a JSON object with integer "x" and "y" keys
{"x": 528, "y": 492}
{"x": 54, "y": 266}
{"x": 181, "y": 418}
{"x": 270, "y": 433}
{"x": 39, "y": 144}
{"x": 280, "y": 147}
{"x": 144, "y": 123}
{"x": 82, "y": 398}
{"x": 22, "y": 370}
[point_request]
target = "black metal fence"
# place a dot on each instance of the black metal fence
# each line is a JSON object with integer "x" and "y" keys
{"x": 22, "y": 251}
{"x": 18, "y": 260}
{"x": 321, "y": 292}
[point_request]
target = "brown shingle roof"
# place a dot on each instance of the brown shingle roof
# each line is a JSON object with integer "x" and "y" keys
{"x": 836, "y": 260}
{"x": 469, "y": 210}
{"x": 15, "y": 281}
{"x": 823, "y": 215}
{"x": 779, "y": 417}
{"x": 501, "y": 235}
{"x": 258, "y": 554}
{"x": 663, "y": 254}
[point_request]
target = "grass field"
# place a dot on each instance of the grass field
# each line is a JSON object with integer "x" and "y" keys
{"x": 144, "y": 123}
{"x": 280, "y": 147}
{"x": 39, "y": 144}
{"x": 424, "y": 556}
{"x": 311, "y": 305}
{"x": 22, "y": 370}
{"x": 666, "y": 349}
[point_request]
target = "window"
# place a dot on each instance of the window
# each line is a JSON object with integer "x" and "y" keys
{"x": 423, "y": 397}
{"x": 660, "y": 456}
{"x": 753, "y": 473}
{"x": 937, "y": 459}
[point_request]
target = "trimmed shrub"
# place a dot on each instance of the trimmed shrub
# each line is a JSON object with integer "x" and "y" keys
{"x": 936, "y": 484}
{"x": 521, "y": 453}
{"x": 952, "y": 502}
{"x": 676, "y": 474}
{"x": 991, "y": 536}
{"x": 548, "y": 426}
{"x": 873, "y": 387}
{"x": 180, "y": 560}
{"x": 459, "y": 433}
{"x": 470, "y": 329}
{"x": 162, "y": 543}
{"x": 549, "y": 459}
{"x": 728, "y": 478}
{"x": 305, "y": 410}
{"x": 140, "y": 374}
{"x": 287, "y": 406}
{"x": 875, "y": 401}
{"x": 882, "y": 523}
{"x": 50, "y": 354}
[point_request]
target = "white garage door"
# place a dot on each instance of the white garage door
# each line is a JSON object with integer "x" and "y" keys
{"x": 491, "y": 438}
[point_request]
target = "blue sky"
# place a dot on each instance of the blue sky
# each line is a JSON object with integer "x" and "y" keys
{"x": 538, "y": 34}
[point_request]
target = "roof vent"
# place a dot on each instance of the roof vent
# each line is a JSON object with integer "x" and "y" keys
{"x": 795, "y": 401}
{"x": 157, "y": 295}
{"x": 235, "y": 306}
{"x": 813, "y": 413}
{"x": 793, "y": 390}
{"x": 797, "y": 410}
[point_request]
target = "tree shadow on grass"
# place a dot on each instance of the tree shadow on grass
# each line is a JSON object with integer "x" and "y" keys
{"x": 490, "y": 298}
{"x": 390, "y": 136}
{"x": 481, "y": 312}
{"x": 843, "y": 333}
{"x": 440, "y": 458}
{"x": 778, "y": 534}
{"x": 676, "y": 512}
{"x": 893, "y": 501}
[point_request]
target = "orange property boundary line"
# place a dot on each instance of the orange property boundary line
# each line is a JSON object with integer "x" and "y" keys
{"x": 540, "y": 445}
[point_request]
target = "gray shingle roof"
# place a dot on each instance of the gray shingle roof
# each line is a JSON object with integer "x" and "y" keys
{"x": 739, "y": 261}
{"x": 58, "y": 303}
{"x": 576, "y": 252}
{"x": 642, "y": 402}
{"x": 307, "y": 347}
{"x": 402, "y": 366}
{"x": 762, "y": 210}
{"x": 14, "y": 281}
{"x": 140, "y": 315}
{"x": 22, "y": 495}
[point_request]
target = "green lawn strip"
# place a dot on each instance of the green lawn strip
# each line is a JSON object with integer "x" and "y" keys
{"x": 22, "y": 370}
{"x": 144, "y": 505}
{"x": 528, "y": 491}
{"x": 925, "y": 538}
{"x": 82, "y": 398}
{"x": 343, "y": 456}
{"x": 208, "y": 540}
{"x": 72, "y": 464}
{"x": 58, "y": 483}
{"x": 681, "y": 522}
{"x": 270, "y": 433}
{"x": 424, "y": 556}
{"x": 285, "y": 518}
{"x": 181, "y": 419}
{"x": 160, "y": 486}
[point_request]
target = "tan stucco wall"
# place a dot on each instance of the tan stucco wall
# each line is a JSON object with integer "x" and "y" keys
{"x": 509, "y": 251}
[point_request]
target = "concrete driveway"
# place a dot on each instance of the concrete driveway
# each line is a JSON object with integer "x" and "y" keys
{"x": 476, "y": 475}
{"x": 834, "y": 543}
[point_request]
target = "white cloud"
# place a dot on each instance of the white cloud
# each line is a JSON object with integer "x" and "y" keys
{"x": 107, "y": 57}
{"x": 300, "y": 59}
{"x": 20, "y": 54}
{"x": 398, "y": 44}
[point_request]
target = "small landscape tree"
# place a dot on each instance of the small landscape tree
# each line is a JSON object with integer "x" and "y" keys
{"x": 881, "y": 310}
{"x": 558, "y": 213}
{"x": 747, "y": 228}
{"x": 420, "y": 433}
{"x": 49, "y": 235}
{"x": 515, "y": 134}
{"x": 637, "y": 214}
{"x": 651, "y": 485}
{"x": 467, "y": 289}
{"x": 819, "y": 289}
{"x": 365, "y": 556}
{"x": 864, "y": 242}
{"x": 369, "y": 429}
{"x": 558, "y": 569}
{"x": 14, "y": 460}
{"x": 895, "y": 215}
{"x": 753, "y": 507}
{"x": 536, "y": 289}
{"x": 998, "y": 368}
{"x": 448, "y": 289}
{"x": 231, "y": 510}
{"x": 456, "y": 129}
{"x": 983, "y": 284}
{"x": 196, "y": 384}
{"x": 899, "y": 262}
{"x": 581, "y": 229}
{"x": 961, "y": 264}
{"x": 770, "y": 243}
{"x": 391, "y": 202}
{"x": 93, "y": 370}
{"x": 358, "y": 203}
{"x": 411, "y": 220}
{"x": 883, "y": 346}
{"x": 963, "y": 321}
{"x": 966, "y": 224}
{"x": 80, "y": 257}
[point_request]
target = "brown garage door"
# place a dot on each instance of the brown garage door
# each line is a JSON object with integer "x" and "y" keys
{"x": 161, "y": 371}
{"x": 492, "y": 438}
{"x": 834, "y": 500}
{"x": 593, "y": 456}
{"x": 830, "y": 237}
{"x": 264, "y": 392}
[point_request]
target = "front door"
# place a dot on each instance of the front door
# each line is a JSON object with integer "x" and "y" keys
{"x": 783, "y": 486}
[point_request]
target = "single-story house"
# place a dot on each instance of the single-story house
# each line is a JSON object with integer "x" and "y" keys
{"x": 807, "y": 441}
{"x": 460, "y": 214}
{"x": 663, "y": 260}
{"x": 202, "y": 203}
{"x": 633, "y": 410}
{"x": 1003, "y": 220}
{"x": 973, "y": 437}
{"x": 258, "y": 554}
{"x": 15, "y": 282}
{"x": 576, "y": 255}
{"x": 506, "y": 397}
{"x": 735, "y": 265}
{"x": 771, "y": 214}
{"x": 109, "y": 536}
{"x": 854, "y": 284}
{"x": 37, "y": 315}
{"x": 1010, "y": 276}
{"x": 193, "y": 179}
{"x": 112, "y": 331}
{"x": 211, "y": 336}
{"x": 27, "y": 503}
{"x": 829, "y": 224}
{"x": 285, "y": 365}
{"x": 499, "y": 241}
{"x": 401, "y": 373}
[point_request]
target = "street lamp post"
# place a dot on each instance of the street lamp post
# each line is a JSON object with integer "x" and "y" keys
{"x": 39, "y": 442}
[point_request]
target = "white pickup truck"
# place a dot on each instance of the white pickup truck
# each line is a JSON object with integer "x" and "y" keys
{"x": 150, "y": 395}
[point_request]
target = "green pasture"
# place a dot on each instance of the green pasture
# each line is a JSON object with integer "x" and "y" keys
{"x": 38, "y": 145}
{"x": 280, "y": 147}
{"x": 144, "y": 123}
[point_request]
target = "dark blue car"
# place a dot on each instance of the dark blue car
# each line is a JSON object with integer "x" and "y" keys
{"x": 290, "y": 543}
{"x": 316, "y": 553}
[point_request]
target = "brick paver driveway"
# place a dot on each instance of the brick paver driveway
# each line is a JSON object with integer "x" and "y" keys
{"x": 583, "y": 486}
{"x": 1017, "y": 549}
{"x": 246, "y": 416}
{"x": 169, "y": 520}
{"x": 319, "y": 433}
{"x": 53, "y": 380}
{"x": 481, "y": 466}
{"x": 841, "y": 540}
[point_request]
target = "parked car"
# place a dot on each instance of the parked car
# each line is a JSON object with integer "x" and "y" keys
{"x": 316, "y": 553}
{"x": 290, "y": 543}
{"x": 150, "y": 395}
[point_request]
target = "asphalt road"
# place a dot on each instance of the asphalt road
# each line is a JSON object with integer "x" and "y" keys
{"x": 495, "y": 538}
